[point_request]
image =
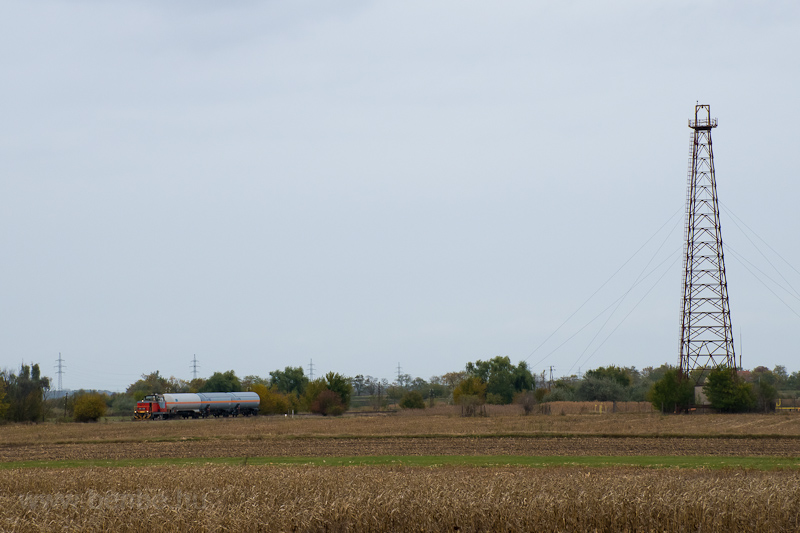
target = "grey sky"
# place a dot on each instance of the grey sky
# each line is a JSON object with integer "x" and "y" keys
{"x": 374, "y": 183}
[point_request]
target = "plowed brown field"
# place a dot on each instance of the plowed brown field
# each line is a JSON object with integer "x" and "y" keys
{"x": 365, "y": 446}
{"x": 579, "y": 435}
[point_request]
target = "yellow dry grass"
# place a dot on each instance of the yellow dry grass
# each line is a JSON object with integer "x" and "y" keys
{"x": 225, "y": 498}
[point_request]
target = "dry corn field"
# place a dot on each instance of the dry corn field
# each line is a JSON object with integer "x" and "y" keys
{"x": 270, "y": 498}
{"x": 385, "y": 498}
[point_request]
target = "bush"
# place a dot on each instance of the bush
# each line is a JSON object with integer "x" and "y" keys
{"x": 601, "y": 389}
{"x": 495, "y": 399}
{"x": 557, "y": 394}
{"x": 89, "y": 407}
{"x": 328, "y": 403}
{"x": 670, "y": 393}
{"x": 527, "y": 399}
{"x": 312, "y": 391}
{"x": 412, "y": 400}
{"x": 272, "y": 401}
{"x": 728, "y": 392}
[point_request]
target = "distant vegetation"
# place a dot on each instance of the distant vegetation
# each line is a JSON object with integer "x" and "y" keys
{"x": 494, "y": 381}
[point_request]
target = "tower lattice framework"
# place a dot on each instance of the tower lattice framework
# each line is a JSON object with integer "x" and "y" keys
{"x": 706, "y": 331}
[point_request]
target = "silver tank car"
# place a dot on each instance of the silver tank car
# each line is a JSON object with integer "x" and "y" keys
{"x": 203, "y": 404}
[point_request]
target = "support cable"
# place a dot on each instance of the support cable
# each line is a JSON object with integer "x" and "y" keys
{"x": 625, "y": 295}
{"x": 601, "y": 313}
{"x": 741, "y": 258}
{"x": 595, "y": 293}
{"x": 734, "y": 218}
{"x": 769, "y": 289}
{"x": 626, "y": 316}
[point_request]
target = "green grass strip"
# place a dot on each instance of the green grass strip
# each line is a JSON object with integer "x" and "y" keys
{"x": 432, "y": 461}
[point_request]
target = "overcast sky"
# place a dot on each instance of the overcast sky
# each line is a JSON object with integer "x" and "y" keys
{"x": 368, "y": 184}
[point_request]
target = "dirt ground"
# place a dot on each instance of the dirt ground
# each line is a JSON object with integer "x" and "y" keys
{"x": 423, "y": 434}
{"x": 366, "y": 446}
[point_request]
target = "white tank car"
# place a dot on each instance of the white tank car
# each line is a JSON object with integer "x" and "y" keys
{"x": 201, "y": 404}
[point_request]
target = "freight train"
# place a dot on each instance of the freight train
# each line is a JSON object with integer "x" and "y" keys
{"x": 201, "y": 404}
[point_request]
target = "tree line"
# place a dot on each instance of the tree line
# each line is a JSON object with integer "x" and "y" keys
{"x": 493, "y": 381}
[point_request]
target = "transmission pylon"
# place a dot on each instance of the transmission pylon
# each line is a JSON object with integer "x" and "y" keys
{"x": 194, "y": 366}
{"x": 60, "y": 371}
{"x": 311, "y": 370}
{"x": 706, "y": 331}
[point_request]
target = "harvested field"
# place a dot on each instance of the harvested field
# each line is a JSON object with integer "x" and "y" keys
{"x": 407, "y": 424}
{"x": 411, "y": 446}
{"x": 248, "y": 498}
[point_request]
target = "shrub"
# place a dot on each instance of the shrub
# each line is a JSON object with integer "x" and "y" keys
{"x": 495, "y": 399}
{"x": 527, "y": 399}
{"x": 412, "y": 400}
{"x": 670, "y": 393}
{"x": 327, "y": 403}
{"x": 601, "y": 389}
{"x": 89, "y": 407}
{"x": 272, "y": 401}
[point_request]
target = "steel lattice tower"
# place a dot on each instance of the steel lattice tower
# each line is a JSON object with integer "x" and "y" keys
{"x": 706, "y": 332}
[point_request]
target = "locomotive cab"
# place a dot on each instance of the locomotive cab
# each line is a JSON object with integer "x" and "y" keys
{"x": 150, "y": 405}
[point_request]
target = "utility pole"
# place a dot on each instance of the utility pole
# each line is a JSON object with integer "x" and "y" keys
{"x": 311, "y": 370}
{"x": 551, "y": 377}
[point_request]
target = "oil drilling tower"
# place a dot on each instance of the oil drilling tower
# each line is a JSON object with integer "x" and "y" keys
{"x": 706, "y": 331}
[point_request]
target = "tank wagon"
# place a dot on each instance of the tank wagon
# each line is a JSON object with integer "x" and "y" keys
{"x": 201, "y": 404}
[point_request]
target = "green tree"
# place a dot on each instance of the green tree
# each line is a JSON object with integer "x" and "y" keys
{"x": 781, "y": 377}
{"x": 670, "y": 393}
{"x": 249, "y": 381}
{"x": 412, "y": 400}
{"x": 613, "y": 373}
{"x": 3, "y": 403}
{"x": 501, "y": 377}
{"x": 122, "y": 404}
{"x": 341, "y": 386}
{"x": 152, "y": 383}
{"x": 222, "y": 382}
{"x": 196, "y": 384}
{"x": 25, "y": 393}
{"x": 359, "y": 384}
{"x": 601, "y": 389}
{"x": 89, "y": 407}
{"x": 765, "y": 386}
{"x": 728, "y": 392}
{"x": 290, "y": 380}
